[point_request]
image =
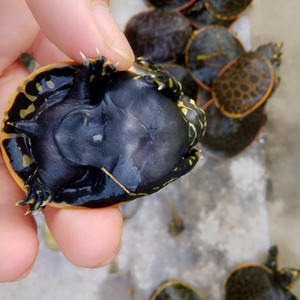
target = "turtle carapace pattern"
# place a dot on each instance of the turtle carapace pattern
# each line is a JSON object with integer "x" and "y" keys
{"x": 247, "y": 82}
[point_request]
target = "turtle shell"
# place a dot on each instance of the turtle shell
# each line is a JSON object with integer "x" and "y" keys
{"x": 226, "y": 9}
{"x": 225, "y": 137}
{"x": 176, "y": 290}
{"x": 29, "y": 98}
{"x": 261, "y": 281}
{"x": 150, "y": 35}
{"x": 195, "y": 7}
{"x": 253, "y": 281}
{"x": 210, "y": 49}
{"x": 243, "y": 85}
{"x": 171, "y": 4}
{"x": 203, "y": 96}
{"x": 199, "y": 16}
{"x": 76, "y": 135}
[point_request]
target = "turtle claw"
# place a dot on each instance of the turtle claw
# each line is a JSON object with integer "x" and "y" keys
{"x": 37, "y": 198}
{"x": 166, "y": 83}
{"x": 99, "y": 56}
{"x": 86, "y": 62}
{"x": 116, "y": 64}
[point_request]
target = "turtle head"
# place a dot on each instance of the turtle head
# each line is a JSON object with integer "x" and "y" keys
{"x": 273, "y": 53}
{"x": 286, "y": 277}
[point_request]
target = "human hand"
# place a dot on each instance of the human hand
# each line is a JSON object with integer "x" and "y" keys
{"x": 54, "y": 31}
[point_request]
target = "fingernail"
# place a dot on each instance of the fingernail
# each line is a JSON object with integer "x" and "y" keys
{"x": 112, "y": 35}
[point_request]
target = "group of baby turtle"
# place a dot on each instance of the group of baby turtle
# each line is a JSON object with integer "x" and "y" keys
{"x": 228, "y": 82}
{"x": 250, "y": 281}
{"x": 192, "y": 41}
{"x": 86, "y": 135}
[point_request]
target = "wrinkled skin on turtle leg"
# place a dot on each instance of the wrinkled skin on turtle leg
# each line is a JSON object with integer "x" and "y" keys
{"x": 42, "y": 185}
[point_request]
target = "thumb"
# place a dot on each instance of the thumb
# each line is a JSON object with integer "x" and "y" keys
{"x": 82, "y": 25}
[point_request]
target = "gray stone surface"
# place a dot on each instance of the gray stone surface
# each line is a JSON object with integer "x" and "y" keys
{"x": 232, "y": 209}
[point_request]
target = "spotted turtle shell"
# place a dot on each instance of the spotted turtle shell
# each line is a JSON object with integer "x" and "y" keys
{"x": 150, "y": 35}
{"x": 176, "y": 290}
{"x": 243, "y": 85}
{"x": 210, "y": 49}
{"x": 227, "y": 137}
{"x": 227, "y": 9}
{"x": 171, "y": 4}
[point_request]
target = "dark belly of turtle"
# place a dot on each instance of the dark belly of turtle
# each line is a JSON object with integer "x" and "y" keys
{"x": 100, "y": 137}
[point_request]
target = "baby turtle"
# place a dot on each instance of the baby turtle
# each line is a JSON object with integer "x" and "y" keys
{"x": 226, "y": 137}
{"x": 210, "y": 49}
{"x": 87, "y": 135}
{"x": 227, "y": 9}
{"x": 246, "y": 83}
{"x": 176, "y": 290}
{"x": 171, "y": 4}
{"x": 261, "y": 281}
{"x": 199, "y": 16}
{"x": 150, "y": 35}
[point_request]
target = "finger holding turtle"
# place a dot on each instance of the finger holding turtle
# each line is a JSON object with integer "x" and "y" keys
{"x": 71, "y": 229}
{"x": 94, "y": 28}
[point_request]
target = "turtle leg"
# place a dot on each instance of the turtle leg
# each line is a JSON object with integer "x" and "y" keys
{"x": 38, "y": 196}
{"x": 187, "y": 162}
{"x": 88, "y": 77}
{"x": 284, "y": 276}
{"x": 272, "y": 259}
{"x": 166, "y": 83}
